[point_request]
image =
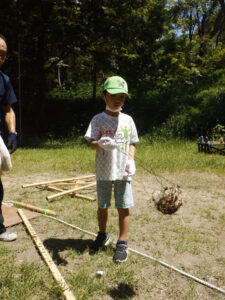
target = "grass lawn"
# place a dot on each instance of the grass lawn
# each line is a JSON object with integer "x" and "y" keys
{"x": 192, "y": 240}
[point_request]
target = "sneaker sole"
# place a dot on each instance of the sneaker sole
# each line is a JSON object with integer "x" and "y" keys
{"x": 7, "y": 240}
{"x": 119, "y": 260}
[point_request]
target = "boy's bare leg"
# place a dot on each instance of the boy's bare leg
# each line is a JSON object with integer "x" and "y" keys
{"x": 102, "y": 219}
{"x": 102, "y": 238}
{"x": 123, "y": 223}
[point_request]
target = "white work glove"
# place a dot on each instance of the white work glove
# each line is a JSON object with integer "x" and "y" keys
{"x": 107, "y": 143}
{"x": 130, "y": 168}
{"x": 5, "y": 159}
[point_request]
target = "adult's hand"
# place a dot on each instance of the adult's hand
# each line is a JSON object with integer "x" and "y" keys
{"x": 12, "y": 142}
{"x": 5, "y": 160}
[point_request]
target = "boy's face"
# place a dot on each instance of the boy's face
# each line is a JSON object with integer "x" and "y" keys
{"x": 115, "y": 101}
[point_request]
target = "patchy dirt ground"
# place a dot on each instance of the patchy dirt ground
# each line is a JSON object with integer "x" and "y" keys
{"x": 193, "y": 239}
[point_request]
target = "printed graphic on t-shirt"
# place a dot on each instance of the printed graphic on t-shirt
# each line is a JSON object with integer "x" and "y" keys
{"x": 110, "y": 165}
{"x": 122, "y": 137}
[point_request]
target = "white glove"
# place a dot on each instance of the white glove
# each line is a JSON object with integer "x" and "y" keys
{"x": 5, "y": 159}
{"x": 130, "y": 168}
{"x": 107, "y": 143}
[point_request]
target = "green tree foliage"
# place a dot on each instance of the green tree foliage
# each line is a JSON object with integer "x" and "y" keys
{"x": 170, "y": 52}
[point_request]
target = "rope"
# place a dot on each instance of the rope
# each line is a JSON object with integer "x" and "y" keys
{"x": 150, "y": 171}
{"x": 147, "y": 256}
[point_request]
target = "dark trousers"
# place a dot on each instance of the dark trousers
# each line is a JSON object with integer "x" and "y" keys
{"x": 2, "y": 227}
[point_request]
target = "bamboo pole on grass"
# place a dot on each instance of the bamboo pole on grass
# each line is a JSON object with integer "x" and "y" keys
{"x": 49, "y": 198}
{"x": 58, "y": 180}
{"x": 35, "y": 208}
{"x": 74, "y": 194}
{"x": 53, "y": 188}
{"x": 47, "y": 258}
{"x": 84, "y": 197}
{"x": 68, "y": 183}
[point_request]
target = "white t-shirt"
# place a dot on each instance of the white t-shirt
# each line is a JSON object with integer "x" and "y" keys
{"x": 110, "y": 165}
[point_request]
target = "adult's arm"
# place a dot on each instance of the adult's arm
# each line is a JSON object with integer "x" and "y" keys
{"x": 10, "y": 118}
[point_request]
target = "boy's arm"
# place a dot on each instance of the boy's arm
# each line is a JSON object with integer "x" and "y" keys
{"x": 130, "y": 168}
{"x": 105, "y": 143}
{"x": 94, "y": 145}
{"x": 131, "y": 151}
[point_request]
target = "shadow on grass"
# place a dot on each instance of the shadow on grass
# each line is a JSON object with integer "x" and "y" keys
{"x": 122, "y": 291}
{"x": 57, "y": 245}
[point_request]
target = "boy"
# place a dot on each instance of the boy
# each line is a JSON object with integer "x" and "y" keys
{"x": 113, "y": 135}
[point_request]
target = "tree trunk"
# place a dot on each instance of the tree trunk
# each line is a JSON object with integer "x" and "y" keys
{"x": 222, "y": 6}
{"x": 94, "y": 80}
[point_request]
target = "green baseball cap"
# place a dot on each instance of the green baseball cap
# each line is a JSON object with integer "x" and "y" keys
{"x": 115, "y": 85}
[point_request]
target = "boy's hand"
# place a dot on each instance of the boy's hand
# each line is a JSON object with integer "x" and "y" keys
{"x": 130, "y": 168}
{"x": 107, "y": 143}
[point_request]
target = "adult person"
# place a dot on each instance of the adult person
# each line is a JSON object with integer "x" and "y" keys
{"x": 7, "y": 98}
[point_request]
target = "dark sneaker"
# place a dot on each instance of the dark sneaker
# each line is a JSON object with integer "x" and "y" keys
{"x": 101, "y": 241}
{"x": 121, "y": 254}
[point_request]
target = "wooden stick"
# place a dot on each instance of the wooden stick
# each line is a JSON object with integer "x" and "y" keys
{"x": 49, "y": 198}
{"x": 53, "y": 188}
{"x": 76, "y": 195}
{"x": 67, "y": 183}
{"x": 84, "y": 197}
{"x": 58, "y": 180}
{"x": 47, "y": 258}
{"x": 35, "y": 208}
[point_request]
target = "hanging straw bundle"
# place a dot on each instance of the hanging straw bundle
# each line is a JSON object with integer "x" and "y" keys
{"x": 168, "y": 200}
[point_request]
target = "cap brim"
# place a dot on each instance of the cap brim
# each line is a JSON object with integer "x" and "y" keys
{"x": 117, "y": 91}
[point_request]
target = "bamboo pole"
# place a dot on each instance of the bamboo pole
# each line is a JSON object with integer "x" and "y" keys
{"x": 53, "y": 188}
{"x": 84, "y": 197}
{"x": 47, "y": 258}
{"x": 68, "y": 183}
{"x": 35, "y": 208}
{"x": 74, "y": 194}
{"x": 49, "y": 198}
{"x": 58, "y": 180}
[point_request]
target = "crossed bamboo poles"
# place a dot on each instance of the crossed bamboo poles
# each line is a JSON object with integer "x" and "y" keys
{"x": 60, "y": 185}
{"x": 82, "y": 183}
{"x": 79, "y": 184}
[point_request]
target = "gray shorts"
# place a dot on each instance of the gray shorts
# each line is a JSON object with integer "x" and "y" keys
{"x": 122, "y": 193}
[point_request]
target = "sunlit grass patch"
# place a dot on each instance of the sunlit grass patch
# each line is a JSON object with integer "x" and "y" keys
{"x": 191, "y": 239}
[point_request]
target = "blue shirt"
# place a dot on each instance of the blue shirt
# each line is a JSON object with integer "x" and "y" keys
{"x": 7, "y": 95}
